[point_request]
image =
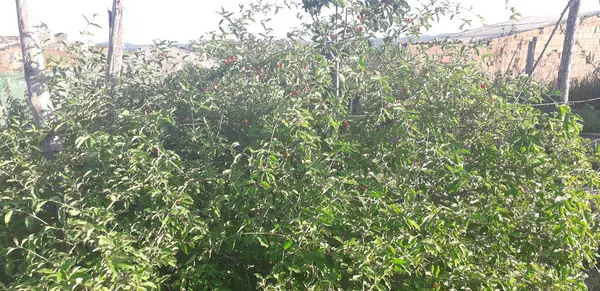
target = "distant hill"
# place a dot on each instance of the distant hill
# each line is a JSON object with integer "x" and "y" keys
{"x": 128, "y": 46}
{"x": 424, "y": 38}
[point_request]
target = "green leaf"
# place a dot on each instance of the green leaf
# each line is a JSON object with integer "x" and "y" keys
{"x": 80, "y": 140}
{"x": 262, "y": 242}
{"x": 9, "y": 268}
{"x": 294, "y": 269}
{"x": 273, "y": 158}
{"x": 149, "y": 284}
{"x": 7, "y": 217}
{"x": 287, "y": 244}
{"x": 80, "y": 277}
{"x": 124, "y": 265}
{"x": 61, "y": 275}
{"x": 413, "y": 224}
{"x": 363, "y": 62}
{"x": 39, "y": 206}
{"x": 74, "y": 212}
{"x": 266, "y": 185}
{"x": 46, "y": 271}
{"x": 350, "y": 182}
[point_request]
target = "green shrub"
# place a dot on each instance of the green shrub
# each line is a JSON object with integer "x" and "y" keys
{"x": 255, "y": 175}
{"x": 590, "y": 117}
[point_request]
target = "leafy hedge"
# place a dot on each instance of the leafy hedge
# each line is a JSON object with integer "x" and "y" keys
{"x": 255, "y": 174}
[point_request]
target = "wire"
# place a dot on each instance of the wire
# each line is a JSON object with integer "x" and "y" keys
{"x": 560, "y": 103}
{"x": 537, "y": 62}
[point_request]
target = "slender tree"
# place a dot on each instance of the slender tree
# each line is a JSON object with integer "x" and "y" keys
{"x": 564, "y": 74}
{"x": 115, "y": 47}
{"x": 34, "y": 66}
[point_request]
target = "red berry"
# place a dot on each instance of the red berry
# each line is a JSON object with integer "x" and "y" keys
{"x": 164, "y": 54}
{"x": 280, "y": 65}
{"x": 346, "y": 124}
{"x": 294, "y": 93}
{"x": 287, "y": 154}
{"x": 358, "y": 17}
{"x": 214, "y": 86}
{"x": 409, "y": 20}
{"x": 245, "y": 121}
{"x": 305, "y": 89}
{"x": 178, "y": 201}
{"x": 306, "y": 67}
{"x": 483, "y": 86}
{"x": 361, "y": 29}
{"x": 203, "y": 90}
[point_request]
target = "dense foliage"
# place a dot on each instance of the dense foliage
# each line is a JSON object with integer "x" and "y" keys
{"x": 257, "y": 174}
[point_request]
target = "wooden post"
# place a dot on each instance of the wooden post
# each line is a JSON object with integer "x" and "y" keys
{"x": 564, "y": 74}
{"x": 115, "y": 47}
{"x": 530, "y": 56}
{"x": 34, "y": 66}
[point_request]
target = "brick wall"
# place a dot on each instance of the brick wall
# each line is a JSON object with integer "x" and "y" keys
{"x": 10, "y": 59}
{"x": 588, "y": 43}
{"x": 508, "y": 55}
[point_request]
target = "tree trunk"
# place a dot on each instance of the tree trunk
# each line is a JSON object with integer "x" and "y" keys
{"x": 115, "y": 47}
{"x": 564, "y": 74}
{"x": 34, "y": 66}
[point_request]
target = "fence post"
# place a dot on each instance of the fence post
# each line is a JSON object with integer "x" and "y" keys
{"x": 115, "y": 47}
{"x": 530, "y": 56}
{"x": 564, "y": 74}
{"x": 38, "y": 93}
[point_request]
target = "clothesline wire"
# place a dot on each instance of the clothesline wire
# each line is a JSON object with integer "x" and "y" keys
{"x": 559, "y": 103}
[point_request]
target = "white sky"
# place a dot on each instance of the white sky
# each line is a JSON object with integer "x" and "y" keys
{"x": 183, "y": 20}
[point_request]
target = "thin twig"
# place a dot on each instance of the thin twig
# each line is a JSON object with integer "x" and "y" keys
{"x": 513, "y": 58}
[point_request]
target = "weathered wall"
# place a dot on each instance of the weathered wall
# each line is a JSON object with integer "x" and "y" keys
{"x": 10, "y": 59}
{"x": 509, "y": 53}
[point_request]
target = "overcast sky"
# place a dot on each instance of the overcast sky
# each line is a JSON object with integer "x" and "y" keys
{"x": 183, "y": 20}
